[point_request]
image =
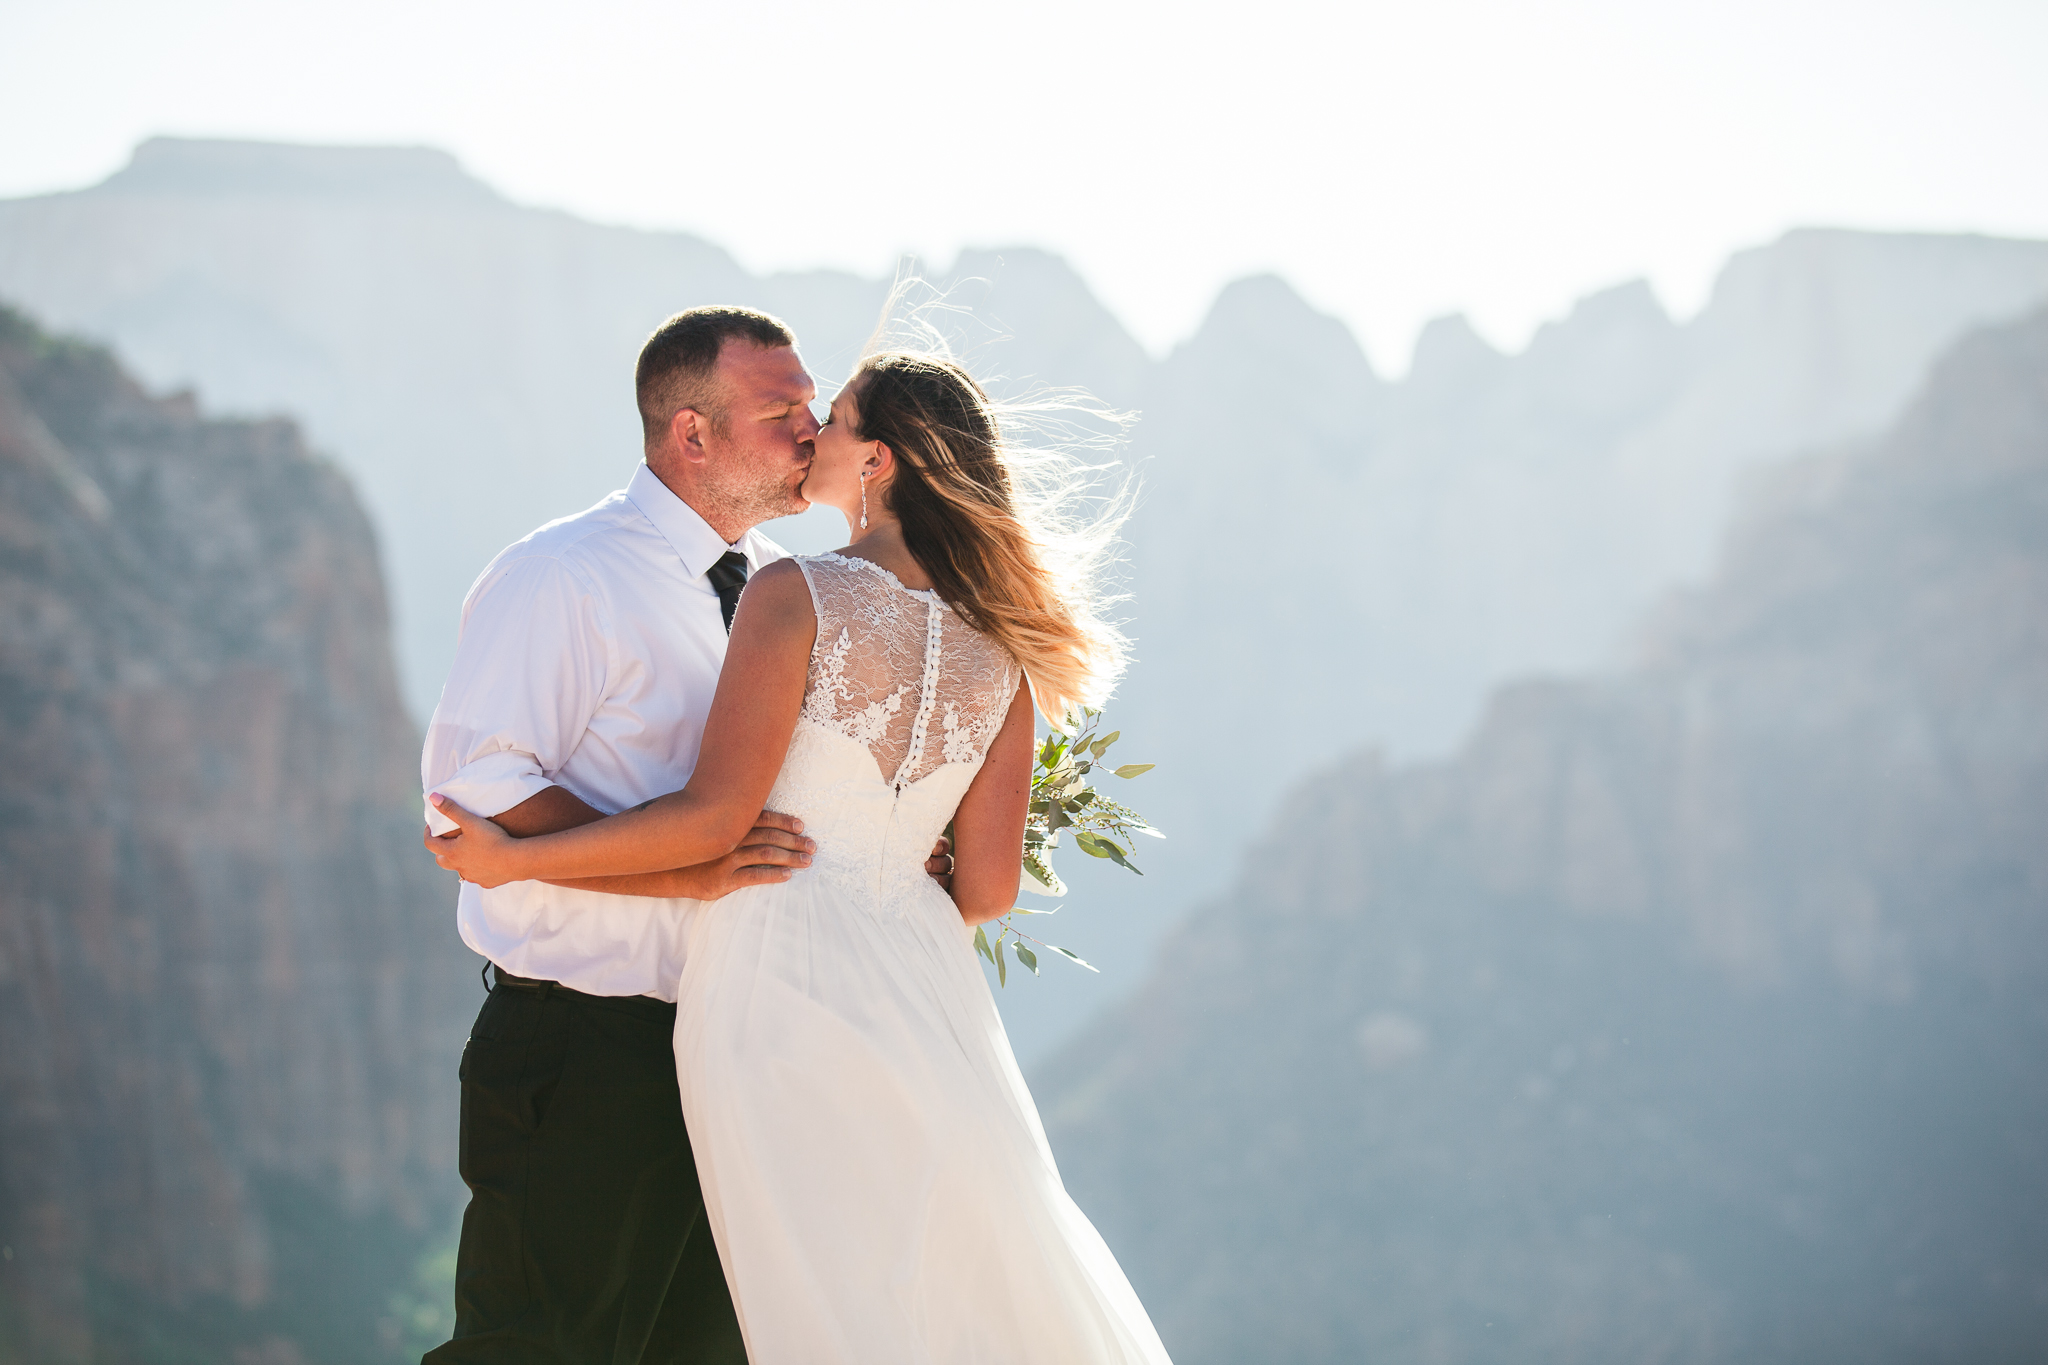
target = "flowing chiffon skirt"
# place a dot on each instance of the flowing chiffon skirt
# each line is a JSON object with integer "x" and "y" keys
{"x": 875, "y": 1172}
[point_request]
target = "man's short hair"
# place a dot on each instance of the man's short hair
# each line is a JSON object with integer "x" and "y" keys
{"x": 676, "y": 364}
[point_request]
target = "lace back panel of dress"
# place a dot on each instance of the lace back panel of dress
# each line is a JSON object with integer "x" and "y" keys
{"x": 899, "y": 672}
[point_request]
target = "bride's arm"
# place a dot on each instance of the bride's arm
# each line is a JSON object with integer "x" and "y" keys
{"x": 988, "y": 829}
{"x": 772, "y": 852}
{"x": 753, "y": 715}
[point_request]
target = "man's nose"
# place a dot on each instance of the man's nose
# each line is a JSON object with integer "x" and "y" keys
{"x": 807, "y": 427}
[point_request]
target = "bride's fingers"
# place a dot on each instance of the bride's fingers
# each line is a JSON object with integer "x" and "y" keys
{"x": 466, "y": 819}
{"x": 440, "y": 845}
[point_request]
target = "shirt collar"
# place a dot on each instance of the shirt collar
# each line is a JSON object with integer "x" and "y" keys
{"x": 687, "y": 533}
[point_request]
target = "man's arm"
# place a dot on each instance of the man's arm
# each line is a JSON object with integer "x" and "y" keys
{"x": 546, "y": 811}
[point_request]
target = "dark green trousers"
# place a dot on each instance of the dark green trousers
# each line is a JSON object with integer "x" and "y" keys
{"x": 585, "y": 1241}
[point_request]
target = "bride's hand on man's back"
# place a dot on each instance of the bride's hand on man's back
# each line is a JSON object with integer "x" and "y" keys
{"x": 477, "y": 850}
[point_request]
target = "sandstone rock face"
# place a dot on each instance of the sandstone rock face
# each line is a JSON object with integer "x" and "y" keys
{"x": 231, "y": 994}
{"x": 1689, "y": 1014}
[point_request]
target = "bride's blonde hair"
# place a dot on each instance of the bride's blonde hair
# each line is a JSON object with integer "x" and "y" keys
{"x": 992, "y": 519}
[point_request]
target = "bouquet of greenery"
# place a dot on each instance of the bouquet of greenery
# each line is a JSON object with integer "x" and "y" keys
{"x": 1063, "y": 799}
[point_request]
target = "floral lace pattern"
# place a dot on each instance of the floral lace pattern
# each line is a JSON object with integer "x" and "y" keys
{"x": 889, "y": 660}
{"x": 902, "y": 702}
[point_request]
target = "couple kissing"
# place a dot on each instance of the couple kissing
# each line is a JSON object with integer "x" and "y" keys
{"x": 739, "y": 1091}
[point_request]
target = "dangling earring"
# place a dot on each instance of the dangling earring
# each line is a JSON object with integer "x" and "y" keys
{"x": 863, "y": 500}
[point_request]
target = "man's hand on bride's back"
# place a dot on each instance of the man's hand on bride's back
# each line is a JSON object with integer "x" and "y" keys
{"x": 774, "y": 850}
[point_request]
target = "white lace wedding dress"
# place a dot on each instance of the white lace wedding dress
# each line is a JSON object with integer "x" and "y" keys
{"x": 875, "y": 1172}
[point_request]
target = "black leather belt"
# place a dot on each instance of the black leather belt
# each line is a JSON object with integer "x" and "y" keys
{"x": 640, "y": 1006}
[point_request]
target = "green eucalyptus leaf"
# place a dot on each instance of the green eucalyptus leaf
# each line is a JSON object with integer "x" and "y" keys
{"x": 981, "y": 943}
{"x": 1075, "y": 956}
{"x": 1061, "y": 797}
{"x": 1002, "y": 970}
{"x": 1094, "y": 845}
{"x": 1115, "y": 853}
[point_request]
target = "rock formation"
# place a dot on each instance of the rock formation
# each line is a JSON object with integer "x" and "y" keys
{"x": 231, "y": 994}
{"x": 1688, "y": 1014}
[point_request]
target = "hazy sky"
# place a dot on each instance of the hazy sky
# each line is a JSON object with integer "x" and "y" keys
{"x": 1393, "y": 161}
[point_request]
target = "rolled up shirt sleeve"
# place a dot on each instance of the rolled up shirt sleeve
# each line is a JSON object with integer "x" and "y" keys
{"x": 530, "y": 671}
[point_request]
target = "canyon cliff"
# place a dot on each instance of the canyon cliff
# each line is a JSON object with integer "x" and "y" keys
{"x": 231, "y": 993}
{"x": 1691, "y": 1013}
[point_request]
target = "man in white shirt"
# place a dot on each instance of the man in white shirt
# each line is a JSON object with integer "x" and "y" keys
{"x": 588, "y": 657}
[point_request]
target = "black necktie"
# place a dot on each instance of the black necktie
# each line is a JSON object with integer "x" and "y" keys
{"x": 728, "y": 576}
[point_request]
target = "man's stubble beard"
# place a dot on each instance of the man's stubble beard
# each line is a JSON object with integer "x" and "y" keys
{"x": 752, "y": 495}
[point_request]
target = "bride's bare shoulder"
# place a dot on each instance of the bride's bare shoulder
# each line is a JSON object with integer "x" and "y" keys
{"x": 781, "y": 570}
{"x": 778, "y": 596}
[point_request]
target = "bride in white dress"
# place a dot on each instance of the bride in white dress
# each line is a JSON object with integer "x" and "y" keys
{"x": 876, "y": 1176}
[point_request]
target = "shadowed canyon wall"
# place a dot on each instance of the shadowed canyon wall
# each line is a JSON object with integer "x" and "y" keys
{"x": 1692, "y": 1013}
{"x": 231, "y": 996}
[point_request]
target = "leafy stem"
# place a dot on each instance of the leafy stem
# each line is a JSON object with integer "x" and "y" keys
{"x": 1064, "y": 799}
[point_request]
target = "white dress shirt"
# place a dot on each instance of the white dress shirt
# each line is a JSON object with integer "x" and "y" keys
{"x": 587, "y": 658}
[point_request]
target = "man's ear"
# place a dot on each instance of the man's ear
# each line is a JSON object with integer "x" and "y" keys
{"x": 686, "y": 432}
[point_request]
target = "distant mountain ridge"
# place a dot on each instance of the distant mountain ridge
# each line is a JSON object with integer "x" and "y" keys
{"x": 1313, "y": 540}
{"x": 195, "y": 166}
{"x": 1691, "y": 1013}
